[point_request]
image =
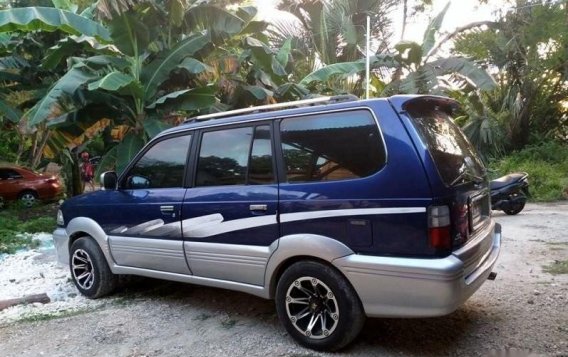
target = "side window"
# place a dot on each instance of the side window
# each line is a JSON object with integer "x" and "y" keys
{"x": 7, "y": 174}
{"x": 331, "y": 146}
{"x": 162, "y": 166}
{"x": 236, "y": 156}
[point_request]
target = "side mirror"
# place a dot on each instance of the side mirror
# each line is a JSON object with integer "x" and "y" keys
{"x": 138, "y": 182}
{"x": 109, "y": 180}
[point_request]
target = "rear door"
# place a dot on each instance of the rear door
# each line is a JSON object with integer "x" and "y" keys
{"x": 456, "y": 170}
{"x": 230, "y": 213}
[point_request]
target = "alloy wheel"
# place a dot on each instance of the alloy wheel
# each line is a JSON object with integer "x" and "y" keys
{"x": 312, "y": 307}
{"x": 82, "y": 268}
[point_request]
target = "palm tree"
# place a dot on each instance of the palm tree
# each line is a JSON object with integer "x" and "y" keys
{"x": 409, "y": 68}
{"x": 324, "y": 32}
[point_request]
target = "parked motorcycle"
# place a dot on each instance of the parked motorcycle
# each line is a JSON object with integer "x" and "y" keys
{"x": 509, "y": 193}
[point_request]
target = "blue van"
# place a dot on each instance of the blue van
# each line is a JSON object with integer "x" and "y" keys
{"x": 338, "y": 209}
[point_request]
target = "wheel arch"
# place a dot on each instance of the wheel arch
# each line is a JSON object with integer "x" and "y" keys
{"x": 298, "y": 247}
{"x": 85, "y": 227}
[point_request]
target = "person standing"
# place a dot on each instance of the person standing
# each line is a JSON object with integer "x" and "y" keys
{"x": 87, "y": 171}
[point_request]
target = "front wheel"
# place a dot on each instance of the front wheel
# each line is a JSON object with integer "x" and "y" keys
{"x": 318, "y": 306}
{"x": 89, "y": 269}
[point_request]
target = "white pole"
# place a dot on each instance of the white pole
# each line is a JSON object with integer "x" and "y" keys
{"x": 368, "y": 58}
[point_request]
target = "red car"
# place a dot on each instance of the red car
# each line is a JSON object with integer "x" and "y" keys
{"x": 18, "y": 183}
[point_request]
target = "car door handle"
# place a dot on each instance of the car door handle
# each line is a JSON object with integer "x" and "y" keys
{"x": 167, "y": 209}
{"x": 258, "y": 207}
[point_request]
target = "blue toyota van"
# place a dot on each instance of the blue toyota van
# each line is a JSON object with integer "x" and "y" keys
{"x": 336, "y": 208}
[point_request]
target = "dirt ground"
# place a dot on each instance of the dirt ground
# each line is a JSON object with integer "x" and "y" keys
{"x": 524, "y": 311}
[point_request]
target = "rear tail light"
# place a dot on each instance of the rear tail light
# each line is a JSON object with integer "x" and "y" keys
{"x": 439, "y": 234}
{"x": 52, "y": 180}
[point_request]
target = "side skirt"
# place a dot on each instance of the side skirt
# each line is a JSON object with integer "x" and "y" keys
{"x": 255, "y": 290}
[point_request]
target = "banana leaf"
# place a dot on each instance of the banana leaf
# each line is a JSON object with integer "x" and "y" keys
{"x": 29, "y": 19}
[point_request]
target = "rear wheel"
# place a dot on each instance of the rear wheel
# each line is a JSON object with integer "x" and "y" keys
{"x": 28, "y": 198}
{"x": 514, "y": 209}
{"x": 89, "y": 269}
{"x": 318, "y": 306}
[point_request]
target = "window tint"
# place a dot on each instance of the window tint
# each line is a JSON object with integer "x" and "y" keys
{"x": 162, "y": 166}
{"x": 332, "y": 146}
{"x": 223, "y": 158}
{"x": 6, "y": 174}
{"x": 237, "y": 156}
{"x": 448, "y": 146}
{"x": 261, "y": 171}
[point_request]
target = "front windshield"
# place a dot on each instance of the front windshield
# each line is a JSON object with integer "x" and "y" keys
{"x": 453, "y": 154}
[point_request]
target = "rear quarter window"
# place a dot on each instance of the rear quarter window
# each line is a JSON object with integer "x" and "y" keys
{"x": 331, "y": 146}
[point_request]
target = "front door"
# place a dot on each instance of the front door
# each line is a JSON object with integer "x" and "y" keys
{"x": 144, "y": 226}
{"x": 229, "y": 215}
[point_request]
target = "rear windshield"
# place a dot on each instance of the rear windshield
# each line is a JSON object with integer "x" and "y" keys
{"x": 455, "y": 158}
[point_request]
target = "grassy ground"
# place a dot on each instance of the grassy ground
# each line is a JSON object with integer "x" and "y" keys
{"x": 547, "y": 166}
{"x": 17, "y": 224}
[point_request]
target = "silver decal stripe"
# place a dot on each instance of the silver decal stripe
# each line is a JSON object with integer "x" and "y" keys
{"x": 215, "y": 227}
{"x": 301, "y": 216}
{"x": 214, "y": 224}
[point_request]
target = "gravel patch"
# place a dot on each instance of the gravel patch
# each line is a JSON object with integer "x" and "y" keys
{"x": 524, "y": 312}
{"x": 36, "y": 272}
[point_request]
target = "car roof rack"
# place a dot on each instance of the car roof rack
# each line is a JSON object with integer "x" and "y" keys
{"x": 270, "y": 107}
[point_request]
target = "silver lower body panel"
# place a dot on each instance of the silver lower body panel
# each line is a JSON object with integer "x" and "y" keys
{"x": 402, "y": 287}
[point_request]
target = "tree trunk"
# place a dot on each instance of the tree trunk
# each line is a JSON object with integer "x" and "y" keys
{"x": 39, "y": 150}
{"x": 76, "y": 182}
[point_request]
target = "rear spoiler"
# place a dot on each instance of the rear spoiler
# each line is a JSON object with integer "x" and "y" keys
{"x": 403, "y": 102}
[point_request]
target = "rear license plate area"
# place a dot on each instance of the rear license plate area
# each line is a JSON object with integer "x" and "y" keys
{"x": 477, "y": 211}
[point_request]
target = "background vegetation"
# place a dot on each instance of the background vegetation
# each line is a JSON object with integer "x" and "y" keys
{"x": 17, "y": 226}
{"x": 108, "y": 75}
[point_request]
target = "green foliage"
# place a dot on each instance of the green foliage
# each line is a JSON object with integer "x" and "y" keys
{"x": 38, "y": 225}
{"x": 547, "y": 166}
{"x": 50, "y": 19}
{"x": 15, "y": 233}
{"x": 527, "y": 47}
{"x": 410, "y": 67}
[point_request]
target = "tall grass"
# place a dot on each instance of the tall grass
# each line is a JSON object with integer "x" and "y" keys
{"x": 547, "y": 166}
{"x": 16, "y": 233}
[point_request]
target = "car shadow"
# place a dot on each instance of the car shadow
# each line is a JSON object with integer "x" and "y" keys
{"x": 422, "y": 336}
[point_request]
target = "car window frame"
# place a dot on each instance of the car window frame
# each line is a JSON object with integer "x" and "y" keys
{"x": 124, "y": 176}
{"x": 282, "y": 174}
{"x": 195, "y": 151}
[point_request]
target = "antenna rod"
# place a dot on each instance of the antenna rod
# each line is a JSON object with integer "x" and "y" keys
{"x": 368, "y": 57}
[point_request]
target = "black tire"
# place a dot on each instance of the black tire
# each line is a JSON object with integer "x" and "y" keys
{"x": 337, "y": 328}
{"x": 89, "y": 269}
{"x": 515, "y": 209}
{"x": 28, "y": 198}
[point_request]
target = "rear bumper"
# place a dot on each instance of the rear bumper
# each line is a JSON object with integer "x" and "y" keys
{"x": 61, "y": 242}
{"x": 50, "y": 192}
{"x": 403, "y": 287}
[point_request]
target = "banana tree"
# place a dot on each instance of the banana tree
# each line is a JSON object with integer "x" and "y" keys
{"x": 23, "y": 44}
{"x": 126, "y": 85}
{"x": 410, "y": 68}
